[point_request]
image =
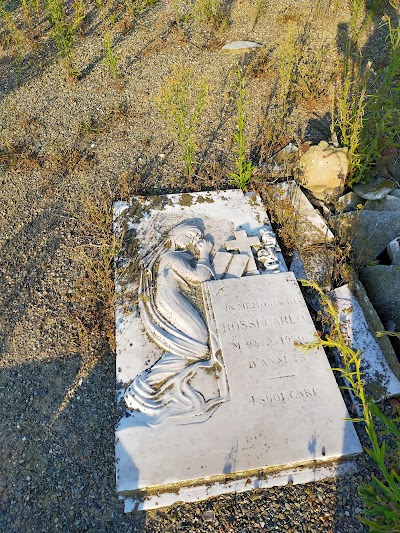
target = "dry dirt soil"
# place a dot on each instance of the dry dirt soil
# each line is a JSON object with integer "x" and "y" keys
{"x": 68, "y": 149}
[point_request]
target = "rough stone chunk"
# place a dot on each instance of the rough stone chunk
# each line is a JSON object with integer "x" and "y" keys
{"x": 389, "y": 203}
{"x": 375, "y": 190}
{"x": 368, "y": 231}
{"x": 393, "y": 250}
{"x": 322, "y": 170}
{"x": 348, "y": 202}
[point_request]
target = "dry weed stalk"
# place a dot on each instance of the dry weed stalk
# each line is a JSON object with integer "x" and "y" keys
{"x": 244, "y": 166}
{"x": 181, "y": 101}
{"x": 94, "y": 294}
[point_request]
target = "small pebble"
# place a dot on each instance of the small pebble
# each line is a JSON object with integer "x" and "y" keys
{"x": 209, "y": 515}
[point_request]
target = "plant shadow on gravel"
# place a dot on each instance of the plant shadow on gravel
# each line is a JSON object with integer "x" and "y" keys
{"x": 19, "y": 71}
{"x": 21, "y": 274}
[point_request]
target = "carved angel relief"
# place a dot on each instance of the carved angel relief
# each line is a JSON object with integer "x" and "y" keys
{"x": 172, "y": 319}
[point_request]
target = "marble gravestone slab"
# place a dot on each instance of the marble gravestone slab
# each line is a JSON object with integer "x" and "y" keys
{"x": 215, "y": 394}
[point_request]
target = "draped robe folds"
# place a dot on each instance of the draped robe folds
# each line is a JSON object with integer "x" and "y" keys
{"x": 172, "y": 320}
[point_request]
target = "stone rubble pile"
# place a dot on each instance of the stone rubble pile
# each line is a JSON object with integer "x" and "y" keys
{"x": 368, "y": 219}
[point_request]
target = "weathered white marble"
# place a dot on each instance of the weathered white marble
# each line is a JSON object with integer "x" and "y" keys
{"x": 239, "y": 46}
{"x": 380, "y": 381}
{"x": 250, "y": 409}
{"x": 267, "y": 478}
{"x": 311, "y": 226}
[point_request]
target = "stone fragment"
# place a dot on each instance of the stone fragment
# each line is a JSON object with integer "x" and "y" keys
{"x": 238, "y": 266}
{"x": 310, "y": 226}
{"x": 375, "y": 190}
{"x": 242, "y": 243}
{"x": 314, "y": 265}
{"x": 238, "y": 46}
{"x": 374, "y": 323}
{"x": 208, "y": 516}
{"x": 389, "y": 203}
{"x": 393, "y": 250}
{"x": 380, "y": 380}
{"x": 368, "y": 231}
{"x": 322, "y": 170}
{"x": 382, "y": 284}
{"x": 283, "y": 162}
{"x": 389, "y": 164}
{"x": 348, "y": 202}
{"x": 221, "y": 264}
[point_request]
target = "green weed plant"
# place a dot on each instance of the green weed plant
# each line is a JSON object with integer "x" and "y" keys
{"x": 366, "y": 108}
{"x": 12, "y": 36}
{"x": 389, "y": 333}
{"x": 381, "y": 495}
{"x": 324, "y": 8}
{"x": 31, "y": 10}
{"x": 64, "y": 30}
{"x": 244, "y": 167}
{"x": 382, "y": 110}
{"x": 260, "y": 7}
{"x": 110, "y": 57}
{"x": 349, "y": 108}
{"x": 210, "y": 12}
{"x": 181, "y": 102}
{"x": 288, "y": 50}
{"x": 137, "y": 7}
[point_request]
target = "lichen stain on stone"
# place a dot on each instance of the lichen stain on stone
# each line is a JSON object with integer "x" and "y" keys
{"x": 186, "y": 200}
{"x": 128, "y": 258}
{"x": 127, "y": 262}
{"x": 202, "y": 199}
{"x": 253, "y": 200}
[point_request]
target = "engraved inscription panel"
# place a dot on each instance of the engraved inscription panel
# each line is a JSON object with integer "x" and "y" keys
{"x": 260, "y": 324}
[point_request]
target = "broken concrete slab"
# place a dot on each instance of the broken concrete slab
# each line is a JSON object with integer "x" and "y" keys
{"x": 382, "y": 284}
{"x": 314, "y": 265}
{"x": 374, "y": 322}
{"x": 368, "y": 231}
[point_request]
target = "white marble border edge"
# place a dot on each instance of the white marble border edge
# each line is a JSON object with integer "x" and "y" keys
{"x": 294, "y": 475}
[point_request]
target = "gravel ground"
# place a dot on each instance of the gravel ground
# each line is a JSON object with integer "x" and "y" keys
{"x": 62, "y": 143}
